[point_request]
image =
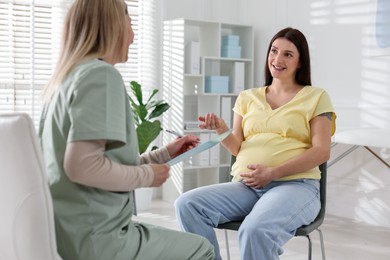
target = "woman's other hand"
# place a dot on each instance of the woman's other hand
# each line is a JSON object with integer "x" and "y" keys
{"x": 182, "y": 144}
{"x": 258, "y": 177}
{"x": 212, "y": 122}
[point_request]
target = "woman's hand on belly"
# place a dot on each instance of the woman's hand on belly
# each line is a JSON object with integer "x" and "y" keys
{"x": 257, "y": 176}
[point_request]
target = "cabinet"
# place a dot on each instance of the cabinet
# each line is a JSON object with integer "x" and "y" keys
{"x": 205, "y": 65}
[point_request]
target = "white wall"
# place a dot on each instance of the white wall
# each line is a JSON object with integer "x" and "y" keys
{"x": 340, "y": 35}
{"x": 338, "y": 32}
{"x": 209, "y": 10}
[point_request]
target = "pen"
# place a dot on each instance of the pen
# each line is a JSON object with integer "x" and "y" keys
{"x": 174, "y": 133}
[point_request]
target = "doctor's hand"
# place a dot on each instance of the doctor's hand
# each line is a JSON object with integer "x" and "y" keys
{"x": 182, "y": 144}
{"x": 161, "y": 174}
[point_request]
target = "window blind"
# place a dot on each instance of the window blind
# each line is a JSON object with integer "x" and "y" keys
{"x": 30, "y": 34}
{"x": 142, "y": 65}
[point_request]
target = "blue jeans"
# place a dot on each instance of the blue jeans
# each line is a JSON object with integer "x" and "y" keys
{"x": 271, "y": 214}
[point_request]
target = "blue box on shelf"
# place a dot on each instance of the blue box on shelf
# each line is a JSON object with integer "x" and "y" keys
{"x": 217, "y": 84}
{"x": 229, "y": 51}
{"x": 231, "y": 40}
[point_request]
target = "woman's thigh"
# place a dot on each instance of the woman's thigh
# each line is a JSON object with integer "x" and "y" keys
{"x": 231, "y": 201}
{"x": 287, "y": 205}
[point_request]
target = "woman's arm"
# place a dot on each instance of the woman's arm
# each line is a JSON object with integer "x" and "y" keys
{"x": 321, "y": 129}
{"x": 233, "y": 142}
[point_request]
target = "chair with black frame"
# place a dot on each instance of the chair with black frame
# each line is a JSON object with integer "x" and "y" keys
{"x": 302, "y": 231}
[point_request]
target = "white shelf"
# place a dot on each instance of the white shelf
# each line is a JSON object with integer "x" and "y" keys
{"x": 228, "y": 59}
{"x": 193, "y": 75}
{"x": 197, "y": 167}
{"x": 186, "y": 94}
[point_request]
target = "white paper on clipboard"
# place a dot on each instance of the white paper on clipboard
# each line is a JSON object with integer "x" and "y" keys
{"x": 200, "y": 148}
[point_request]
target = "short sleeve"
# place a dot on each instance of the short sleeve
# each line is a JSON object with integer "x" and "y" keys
{"x": 238, "y": 106}
{"x": 324, "y": 105}
{"x": 97, "y": 106}
{"x": 241, "y": 104}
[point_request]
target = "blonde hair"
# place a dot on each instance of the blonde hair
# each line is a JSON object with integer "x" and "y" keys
{"x": 93, "y": 29}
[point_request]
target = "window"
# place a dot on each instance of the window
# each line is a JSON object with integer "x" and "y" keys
{"x": 30, "y": 34}
{"x": 142, "y": 65}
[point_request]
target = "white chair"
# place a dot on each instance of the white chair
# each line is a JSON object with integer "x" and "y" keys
{"x": 26, "y": 219}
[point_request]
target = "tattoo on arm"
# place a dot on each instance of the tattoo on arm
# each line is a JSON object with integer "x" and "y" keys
{"x": 329, "y": 115}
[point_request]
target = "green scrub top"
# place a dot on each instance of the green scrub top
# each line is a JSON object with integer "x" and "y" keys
{"x": 91, "y": 223}
{"x": 91, "y": 104}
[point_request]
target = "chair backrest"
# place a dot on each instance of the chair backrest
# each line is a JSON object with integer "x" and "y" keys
{"x": 27, "y": 222}
{"x": 305, "y": 230}
{"x": 323, "y": 169}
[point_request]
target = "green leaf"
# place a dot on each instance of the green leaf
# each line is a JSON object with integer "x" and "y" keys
{"x": 158, "y": 110}
{"x": 151, "y": 96}
{"x": 154, "y": 103}
{"x": 142, "y": 113}
{"x": 147, "y": 131}
{"x": 137, "y": 91}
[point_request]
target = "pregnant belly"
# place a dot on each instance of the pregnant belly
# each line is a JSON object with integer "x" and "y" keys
{"x": 266, "y": 150}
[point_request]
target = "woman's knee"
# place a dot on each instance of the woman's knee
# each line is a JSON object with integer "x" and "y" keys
{"x": 254, "y": 230}
{"x": 183, "y": 201}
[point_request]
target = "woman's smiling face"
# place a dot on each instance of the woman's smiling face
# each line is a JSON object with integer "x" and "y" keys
{"x": 283, "y": 59}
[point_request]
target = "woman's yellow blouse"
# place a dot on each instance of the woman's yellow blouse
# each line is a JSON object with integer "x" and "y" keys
{"x": 272, "y": 136}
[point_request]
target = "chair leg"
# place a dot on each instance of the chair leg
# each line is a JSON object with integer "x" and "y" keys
{"x": 227, "y": 244}
{"x": 309, "y": 247}
{"x": 322, "y": 244}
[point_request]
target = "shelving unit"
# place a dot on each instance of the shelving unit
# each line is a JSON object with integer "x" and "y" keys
{"x": 185, "y": 90}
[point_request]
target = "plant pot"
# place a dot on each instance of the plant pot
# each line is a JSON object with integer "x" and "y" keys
{"x": 143, "y": 198}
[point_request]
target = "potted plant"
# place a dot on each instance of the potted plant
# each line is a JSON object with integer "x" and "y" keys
{"x": 147, "y": 131}
{"x": 144, "y": 113}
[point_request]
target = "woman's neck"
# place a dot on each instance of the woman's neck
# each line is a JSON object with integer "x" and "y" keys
{"x": 278, "y": 86}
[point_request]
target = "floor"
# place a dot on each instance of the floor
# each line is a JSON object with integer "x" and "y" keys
{"x": 344, "y": 239}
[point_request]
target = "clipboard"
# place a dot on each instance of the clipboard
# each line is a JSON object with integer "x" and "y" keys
{"x": 200, "y": 148}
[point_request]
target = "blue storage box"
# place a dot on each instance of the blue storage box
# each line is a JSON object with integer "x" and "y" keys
{"x": 231, "y": 40}
{"x": 217, "y": 84}
{"x": 229, "y": 51}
